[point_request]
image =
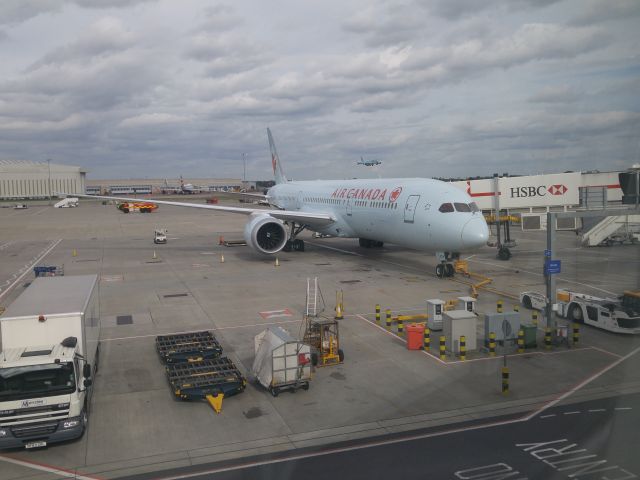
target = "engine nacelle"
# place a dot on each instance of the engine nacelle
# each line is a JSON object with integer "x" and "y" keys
{"x": 265, "y": 234}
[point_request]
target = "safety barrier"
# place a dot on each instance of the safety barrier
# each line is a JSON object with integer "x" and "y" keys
{"x": 443, "y": 348}
{"x": 499, "y": 306}
{"x": 427, "y": 339}
{"x": 547, "y": 338}
{"x": 463, "y": 348}
{"x": 492, "y": 344}
{"x": 521, "y": 341}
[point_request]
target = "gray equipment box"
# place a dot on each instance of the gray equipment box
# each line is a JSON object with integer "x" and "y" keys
{"x": 504, "y": 325}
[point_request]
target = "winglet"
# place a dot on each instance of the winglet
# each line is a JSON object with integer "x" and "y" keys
{"x": 275, "y": 161}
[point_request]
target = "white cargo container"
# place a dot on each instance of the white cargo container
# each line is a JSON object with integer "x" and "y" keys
{"x": 281, "y": 362}
{"x": 50, "y": 346}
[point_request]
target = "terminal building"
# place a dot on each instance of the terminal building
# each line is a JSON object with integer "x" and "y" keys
{"x": 155, "y": 186}
{"x": 21, "y": 179}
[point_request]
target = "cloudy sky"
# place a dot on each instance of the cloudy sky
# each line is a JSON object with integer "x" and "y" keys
{"x": 153, "y": 88}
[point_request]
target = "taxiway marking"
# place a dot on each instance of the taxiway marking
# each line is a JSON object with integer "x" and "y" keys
{"x": 46, "y": 468}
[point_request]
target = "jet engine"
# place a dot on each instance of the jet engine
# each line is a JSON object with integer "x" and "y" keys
{"x": 265, "y": 234}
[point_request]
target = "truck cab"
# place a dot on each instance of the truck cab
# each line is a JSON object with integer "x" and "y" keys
{"x": 43, "y": 394}
{"x": 611, "y": 314}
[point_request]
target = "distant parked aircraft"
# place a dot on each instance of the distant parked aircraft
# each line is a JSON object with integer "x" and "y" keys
{"x": 182, "y": 189}
{"x": 369, "y": 163}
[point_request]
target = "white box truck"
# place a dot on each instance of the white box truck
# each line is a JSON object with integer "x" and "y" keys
{"x": 49, "y": 338}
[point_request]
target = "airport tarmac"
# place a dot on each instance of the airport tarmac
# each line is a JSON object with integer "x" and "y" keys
{"x": 136, "y": 425}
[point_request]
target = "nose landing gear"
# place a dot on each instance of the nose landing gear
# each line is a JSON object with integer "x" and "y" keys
{"x": 445, "y": 267}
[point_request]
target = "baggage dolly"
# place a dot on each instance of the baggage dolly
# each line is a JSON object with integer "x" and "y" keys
{"x": 188, "y": 347}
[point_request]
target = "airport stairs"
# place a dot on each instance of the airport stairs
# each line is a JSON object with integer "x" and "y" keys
{"x": 66, "y": 202}
{"x": 608, "y": 227}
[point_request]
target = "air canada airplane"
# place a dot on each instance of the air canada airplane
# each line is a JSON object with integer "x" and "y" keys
{"x": 418, "y": 213}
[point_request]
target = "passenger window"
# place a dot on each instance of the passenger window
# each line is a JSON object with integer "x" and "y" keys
{"x": 446, "y": 208}
{"x": 604, "y": 314}
{"x": 462, "y": 207}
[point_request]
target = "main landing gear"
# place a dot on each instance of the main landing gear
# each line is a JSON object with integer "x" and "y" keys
{"x": 295, "y": 244}
{"x": 445, "y": 267}
{"x": 366, "y": 243}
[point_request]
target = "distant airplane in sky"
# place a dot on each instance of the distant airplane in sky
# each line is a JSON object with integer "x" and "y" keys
{"x": 424, "y": 214}
{"x": 369, "y": 163}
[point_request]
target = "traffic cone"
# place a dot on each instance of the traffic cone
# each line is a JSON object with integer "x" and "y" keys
{"x": 74, "y": 253}
{"x": 220, "y": 240}
{"x": 277, "y": 262}
{"x": 221, "y": 258}
{"x": 154, "y": 255}
{"x": 339, "y": 315}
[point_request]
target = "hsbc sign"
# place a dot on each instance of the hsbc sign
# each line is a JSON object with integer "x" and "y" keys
{"x": 539, "y": 191}
{"x": 552, "y": 190}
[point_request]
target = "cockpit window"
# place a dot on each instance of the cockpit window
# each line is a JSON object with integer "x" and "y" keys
{"x": 446, "y": 208}
{"x": 474, "y": 207}
{"x": 462, "y": 207}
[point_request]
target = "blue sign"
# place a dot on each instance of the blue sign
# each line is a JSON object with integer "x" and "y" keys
{"x": 552, "y": 267}
{"x": 547, "y": 253}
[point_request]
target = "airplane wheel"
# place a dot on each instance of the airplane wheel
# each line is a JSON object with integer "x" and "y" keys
{"x": 287, "y": 246}
{"x": 440, "y": 270}
{"x": 379, "y": 244}
{"x": 504, "y": 253}
{"x": 448, "y": 268}
{"x": 298, "y": 245}
{"x": 365, "y": 243}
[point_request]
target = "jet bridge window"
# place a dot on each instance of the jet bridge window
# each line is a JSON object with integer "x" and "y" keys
{"x": 462, "y": 207}
{"x": 446, "y": 208}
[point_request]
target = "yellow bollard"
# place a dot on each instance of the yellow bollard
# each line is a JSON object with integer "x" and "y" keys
{"x": 377, "y": 314}
{"x": 154, "y": 255}
{"x": 388, "y": 313}
{"x": 516, "y": 308}
{"x": 463, "y": 348}
{"x": 521, "y": 341}
{"x": 534, "y": 317}
{"x": 277, "y": 262}
{"x": 400, "y": 327}
{"x": 443, "y": 348}
{"x": 547, "y": 338}
{"x": 499, "y": 306}
{"x": 576, "y": 333}
{"x": 505, "y": 380}
{"x": 427, "y": 339}
{"x": 74, "y": 253}
{"x": 492, "y": 344}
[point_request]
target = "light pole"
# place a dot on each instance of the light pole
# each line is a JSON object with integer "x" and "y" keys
{"x": 49, "y": 183}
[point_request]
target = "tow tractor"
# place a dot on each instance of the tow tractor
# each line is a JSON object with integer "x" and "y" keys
{"x": 619, "y": 315}
{"x": 142, "y": 207}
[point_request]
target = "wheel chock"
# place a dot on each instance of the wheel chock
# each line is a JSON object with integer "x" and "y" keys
{"x": 216, "y": 401}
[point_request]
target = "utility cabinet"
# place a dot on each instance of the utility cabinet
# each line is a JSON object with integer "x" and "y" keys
{"x": 504, "y": 325}
{"x": 458, "y": 323}
{"x": 435, "y": 309}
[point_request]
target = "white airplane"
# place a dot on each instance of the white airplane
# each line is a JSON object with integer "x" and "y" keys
{"x": 368, "y": 163}
{"x": 419, "y": 213}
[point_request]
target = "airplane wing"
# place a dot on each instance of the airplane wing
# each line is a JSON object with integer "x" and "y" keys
{"x": 306, "y": 218}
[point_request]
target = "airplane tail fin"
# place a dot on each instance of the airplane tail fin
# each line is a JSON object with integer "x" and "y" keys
{"x": 275, "y": 161}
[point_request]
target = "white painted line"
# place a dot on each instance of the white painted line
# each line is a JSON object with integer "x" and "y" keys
{"x": 622, "y": 408}
{"x": 581, "y": 384}
{"x": 46, "y": 468}
{"x": 46, "y": 252}
{"x": 572, "y": 413}
{"x": 605, "y": 351}
{"x": 548, "y": 416}
{"x": 593, "y": 410}
{"x": 199, "y": 330}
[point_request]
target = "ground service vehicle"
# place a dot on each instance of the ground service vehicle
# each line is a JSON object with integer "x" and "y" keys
{"x": 160, "y": 235}
{"x": 142, "y": 207}
{"x": 620, "y": 315}
{"x": 50, "y": 349}
{"x": 533, "y": 300}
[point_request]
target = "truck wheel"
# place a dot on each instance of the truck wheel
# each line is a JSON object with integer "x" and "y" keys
{"x": 341, "y": 355}
{"x": 526, "y": 301}
{"x": 575, "y": 313}
{"x": 314, "y": 359}
{"x": 275, "y": 391}
{"x": 305, "y": 386}
{"x": 439, "y": 270}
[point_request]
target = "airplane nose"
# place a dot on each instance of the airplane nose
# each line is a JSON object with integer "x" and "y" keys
{"x": 475, "y": 233}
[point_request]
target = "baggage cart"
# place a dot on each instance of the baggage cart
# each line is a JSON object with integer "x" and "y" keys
{"x": 188, "y": 347}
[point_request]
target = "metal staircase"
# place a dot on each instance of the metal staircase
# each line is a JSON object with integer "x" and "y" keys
{"x": 607, "y": 227}
{"x": 312, "y": 298}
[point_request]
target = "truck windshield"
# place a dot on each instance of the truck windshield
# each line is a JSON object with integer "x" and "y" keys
{"x": 36, "y": 381}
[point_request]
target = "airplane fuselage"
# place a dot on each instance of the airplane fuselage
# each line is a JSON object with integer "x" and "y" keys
{"x": 419, "y": 213}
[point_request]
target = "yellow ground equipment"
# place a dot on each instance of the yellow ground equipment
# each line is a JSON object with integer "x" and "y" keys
{"x": 462, "y": 266}
{"x": 323, "y": 336}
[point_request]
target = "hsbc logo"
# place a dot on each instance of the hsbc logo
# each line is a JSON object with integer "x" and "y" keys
{"x": 540, "y": 191}
{"x": 557, "y": 189}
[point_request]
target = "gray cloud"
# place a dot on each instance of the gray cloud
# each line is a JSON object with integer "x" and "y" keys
{"x": 556, "y": 94}
{"x": 598, "y": 11}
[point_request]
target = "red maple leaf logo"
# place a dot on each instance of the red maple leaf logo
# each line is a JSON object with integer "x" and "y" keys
{"x": 395, "y": 194}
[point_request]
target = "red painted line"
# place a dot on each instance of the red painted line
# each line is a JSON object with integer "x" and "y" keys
{"x": 47, "y": 468}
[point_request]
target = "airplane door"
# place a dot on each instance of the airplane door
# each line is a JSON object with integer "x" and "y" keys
{"x": 410, "y": 208}
{"x": 299, "y": 200}
{"x": 348, "y": 207}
